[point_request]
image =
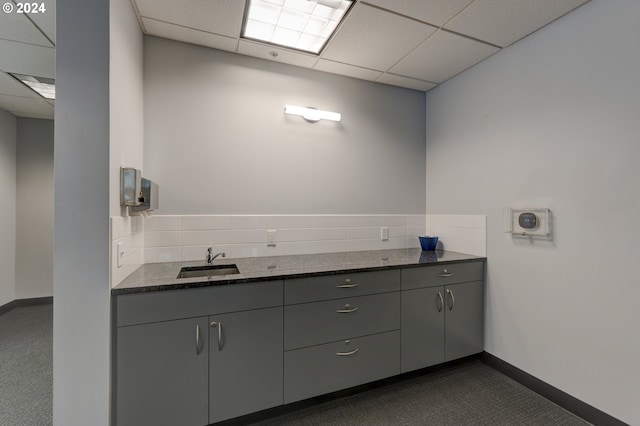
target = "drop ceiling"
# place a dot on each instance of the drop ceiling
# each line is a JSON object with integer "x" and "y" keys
{"x": 416, "y": 44}
{"x": 27, "y": 46}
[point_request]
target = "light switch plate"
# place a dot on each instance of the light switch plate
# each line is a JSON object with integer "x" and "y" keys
{"x": 271, "y": 237}
{"x": 384, "y": 233}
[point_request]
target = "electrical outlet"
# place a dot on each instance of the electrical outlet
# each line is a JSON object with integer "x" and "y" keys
{"x": 271, "y": 237}
{"x": 120, "y": 254}
{"x": 384, "y": 233}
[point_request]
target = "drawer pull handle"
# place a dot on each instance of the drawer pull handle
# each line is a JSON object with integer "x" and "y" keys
{"x": 441, "y": 304}
{"x": 347, "y": 284}
{"x": 347, "y": 309}
{"x": 198, "y": 342}
{"x": 445, "y": 273}
{"x": 218, "y": 325}
{"x": 353, "y": 352}
{"x": 453, "y": 299}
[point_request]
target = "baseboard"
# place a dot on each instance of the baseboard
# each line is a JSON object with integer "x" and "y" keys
{"x": 555, "y": 395}
{"x": 25, "y": 302}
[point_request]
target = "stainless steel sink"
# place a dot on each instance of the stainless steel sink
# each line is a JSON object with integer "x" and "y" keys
{"x": 207, "y": 271}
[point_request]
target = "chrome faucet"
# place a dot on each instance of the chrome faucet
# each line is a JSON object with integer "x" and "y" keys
{"x": 211, "y": 257}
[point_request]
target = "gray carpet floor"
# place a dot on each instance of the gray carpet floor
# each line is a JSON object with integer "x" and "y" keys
{"x": 469, "y": 394}
{"x": 26, "y": 366}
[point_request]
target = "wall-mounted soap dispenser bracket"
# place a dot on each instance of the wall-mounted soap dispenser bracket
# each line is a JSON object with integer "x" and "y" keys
{"x": 527, "y": 223}
{"x": 137, "y": 193}
{"x": 148, "y": 199}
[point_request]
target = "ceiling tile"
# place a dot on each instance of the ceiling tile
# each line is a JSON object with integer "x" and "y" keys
{"x": 442, "y": 56}
{"x": 265, "y": 51}
{"x": 503, "y": 22}
{"x": 188, "y": 35}
{"x": 355, "y": 42}
{"x": 27, "y": 59}
{"x": 223, "y": 17}
{"x": 46, "y": 21}
{"x": 10, "y": 86}
{"x": 434, "y": 12}
{"x": 348, "y": 70}
{"x": 409, "y": 83}
{"x": 26, "y": 107}
{"x": 17, "y": 27}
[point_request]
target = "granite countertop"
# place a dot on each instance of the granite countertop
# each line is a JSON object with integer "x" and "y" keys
{"x": 162, "y": 276}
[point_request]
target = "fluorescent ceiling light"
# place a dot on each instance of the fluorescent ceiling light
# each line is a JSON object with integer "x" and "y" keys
{"x": 299, "y": 24}
{"x": 312, "y": 114}
{"x": 45, "y": 87}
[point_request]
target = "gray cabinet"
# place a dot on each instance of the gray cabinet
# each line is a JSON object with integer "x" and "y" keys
{"x": 173, "y": 368}
{"x": 310, "y": 324}
{"x": 441, "y": 322}
{"x": 321, "y": 369}
{"x": 245, "y": 362}
{"x": 199, "y": 356}
{"x": 464, "y": 320}
{"x": 422, "y": 328}
{"x": 162, "y": 373}
{"x": 340, "y": 331}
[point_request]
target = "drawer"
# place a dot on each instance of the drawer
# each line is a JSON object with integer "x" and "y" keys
{"x": 301, "y": 290}
{"x": 314, "y": 323}
{"x": 139, "y": 308}
{"x": 321, "y": 369}
{"x": 448, "y": 273}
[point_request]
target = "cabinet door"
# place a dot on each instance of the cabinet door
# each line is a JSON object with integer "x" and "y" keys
{"x": 162, "y": 373}
{"x": 245, "y": 363}
{"x": 422, "y": 328}
{"x": 464, "y": 325}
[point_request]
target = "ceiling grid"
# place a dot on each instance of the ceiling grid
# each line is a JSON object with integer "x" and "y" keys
{"x": 416, "y": 44}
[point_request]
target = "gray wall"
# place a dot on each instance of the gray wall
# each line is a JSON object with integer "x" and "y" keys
{"x": 34, "y": 221}
{"x": 217, "y": 140}
{"x": 553, "y": 121}
{"x": 7, "y": 207}
{"x": 81, "y": 288}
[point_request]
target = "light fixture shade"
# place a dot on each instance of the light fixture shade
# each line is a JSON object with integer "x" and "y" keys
{"x": 299, "y": 24}
{"x": 312, "y": 114}
{"x": 45, "y": 87}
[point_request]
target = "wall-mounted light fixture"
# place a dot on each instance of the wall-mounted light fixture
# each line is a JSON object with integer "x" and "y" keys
{"x": 312, "y": 114}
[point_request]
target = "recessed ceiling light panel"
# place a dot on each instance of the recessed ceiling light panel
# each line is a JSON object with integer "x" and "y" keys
{"x": 299, "y": 24}
{"x": 45, "y": 87}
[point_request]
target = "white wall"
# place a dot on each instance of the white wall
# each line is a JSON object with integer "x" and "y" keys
{"x": 126, "y": 132}
{"x": 217, "y": 140}
{"x": 34, "y": 218}
{"x": 126, "y": 100}
{"x": 553, "y": 122}
{"x": 7, "y": 207}
{"x": 81, "y": 311}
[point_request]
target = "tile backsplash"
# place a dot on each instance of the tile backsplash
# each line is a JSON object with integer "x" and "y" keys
{"x": 461, "y": 233}
{"x": 184, "y": 238}
{"x": 181, "y": 238}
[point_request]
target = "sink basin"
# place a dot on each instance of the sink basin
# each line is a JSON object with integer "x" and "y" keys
{"x": 207, "y": 271}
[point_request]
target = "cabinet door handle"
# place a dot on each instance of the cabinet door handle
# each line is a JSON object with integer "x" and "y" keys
{"x": 441, "y": 304}
{"x": 347, "y": 284}
{"x": 347, "y": 309}
{"x": 453, "y": 299}
{"x": 347, "y": 353}
{"x": 445, "y": 273}
{"x": 198, "y": 342}
{"x": 218, "y": 325}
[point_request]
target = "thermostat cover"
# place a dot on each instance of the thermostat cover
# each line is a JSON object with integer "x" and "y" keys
{"x": 529, "y": 222}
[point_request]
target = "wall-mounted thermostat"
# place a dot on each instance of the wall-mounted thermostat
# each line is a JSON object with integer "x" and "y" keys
{"x": 528, "y": 222}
